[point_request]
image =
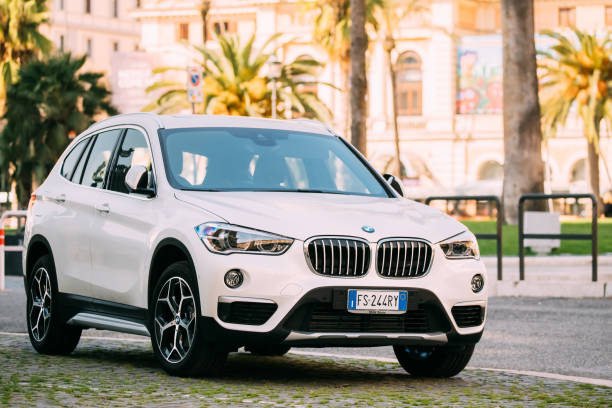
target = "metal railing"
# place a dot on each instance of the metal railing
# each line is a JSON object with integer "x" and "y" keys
{"x": 7, "y": 248}
{"x": 499, "y": 219}
{"x": 592, "y": 236}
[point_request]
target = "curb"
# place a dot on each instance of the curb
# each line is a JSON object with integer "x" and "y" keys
{"x": 550, "y": 288}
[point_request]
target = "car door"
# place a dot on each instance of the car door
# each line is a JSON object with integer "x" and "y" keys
{"x": 90, "y": 176}
{"x": 66, "y": 209}
{"x": 118, "y": 251}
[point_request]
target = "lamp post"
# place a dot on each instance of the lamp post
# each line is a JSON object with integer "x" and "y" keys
{"x": 274, "y": 72}
{"x": 204, "y": 10}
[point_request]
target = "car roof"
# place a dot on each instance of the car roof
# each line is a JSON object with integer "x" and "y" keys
{"x": 188, "y": 121}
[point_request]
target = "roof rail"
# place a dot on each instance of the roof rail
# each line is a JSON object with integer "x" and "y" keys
{"x": 152, "y": 115}
{"x": 316, "y": 122}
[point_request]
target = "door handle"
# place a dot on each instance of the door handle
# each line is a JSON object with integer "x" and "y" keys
{"x": 60, "y": 199}
{"x": 103, "y": 208}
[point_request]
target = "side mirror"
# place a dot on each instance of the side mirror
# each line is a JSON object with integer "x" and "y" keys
{"x": 137, "y": 180}
{"x": 394, "y": 183}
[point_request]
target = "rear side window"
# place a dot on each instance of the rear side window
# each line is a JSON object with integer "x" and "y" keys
{"x": 99, "y": 156}
{"x": 76, "y": 176}
{"x": 73, "y": 158}
{"x": 134, "y": 151}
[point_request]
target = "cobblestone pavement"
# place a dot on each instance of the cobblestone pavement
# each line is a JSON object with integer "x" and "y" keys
{"x": 562, "y": 336}
{"x": 122, "y": 373}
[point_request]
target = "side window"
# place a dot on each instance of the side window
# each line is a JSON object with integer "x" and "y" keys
{"x": 133, "y": 151}
{"x": 100, "y": 154}
{"x": 78, "y": 172}
{"x": 72, "y": 158}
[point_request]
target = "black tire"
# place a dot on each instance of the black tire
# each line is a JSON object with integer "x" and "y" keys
{"x": 268, "y": 349}
{"x": 434, "y": 361}
{"x": 48, "y": 333}
{"x": 190, "y": 355}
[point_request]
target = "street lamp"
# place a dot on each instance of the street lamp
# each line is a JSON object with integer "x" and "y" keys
{"x": 274, "y": 72}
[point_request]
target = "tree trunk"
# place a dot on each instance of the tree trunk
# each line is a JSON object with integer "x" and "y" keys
{"x": 359, "y": 44}
{"x": 389, "y": 46}
{"x": 345, "y": 68}
{"x": 523, "y": 166}
{"x": 593, "y": 160}
{"x": 24, "y": 190}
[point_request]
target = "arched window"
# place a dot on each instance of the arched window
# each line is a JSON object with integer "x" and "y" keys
{"x": 578, "y": 171}
{"x": 490, "y": 170}
{"x": 409, "y": 84}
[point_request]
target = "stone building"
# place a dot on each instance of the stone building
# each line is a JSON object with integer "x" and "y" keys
{"x": 97, "y": 28}
{"x": 448, "y": 64}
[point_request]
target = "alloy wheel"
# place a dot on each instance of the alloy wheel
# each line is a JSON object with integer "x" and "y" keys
{"x": 175, "y": 319}
{"x": 40, "y": 309}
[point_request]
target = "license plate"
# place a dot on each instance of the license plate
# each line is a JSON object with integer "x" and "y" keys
{"x": 377, "y": 301}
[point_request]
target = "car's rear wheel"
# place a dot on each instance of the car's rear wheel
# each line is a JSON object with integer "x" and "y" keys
{"x": 268, "y": 349}
{"x": 177, "y": 338}
{"x": 434, "y": 361}
{"x": 48, "y": 334}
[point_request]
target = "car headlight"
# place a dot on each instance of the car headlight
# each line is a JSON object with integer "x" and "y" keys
{"x": 462, "y": 246}
{"x": 226, "y": 239}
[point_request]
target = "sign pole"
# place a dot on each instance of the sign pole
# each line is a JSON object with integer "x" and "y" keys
{"x": 194, "y": 87}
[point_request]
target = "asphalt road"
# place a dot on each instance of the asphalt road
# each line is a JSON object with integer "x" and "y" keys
{"x": 562, "y": 336}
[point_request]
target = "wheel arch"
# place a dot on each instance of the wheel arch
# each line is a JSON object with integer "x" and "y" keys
{"x": 167, "y": 252}
{"x": 37, "y": 247}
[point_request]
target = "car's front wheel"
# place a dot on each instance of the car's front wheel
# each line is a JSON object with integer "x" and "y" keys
{"x": 48, "y": 333}
{"x": 177, "y": 338}
{"x": 433, "y": 361}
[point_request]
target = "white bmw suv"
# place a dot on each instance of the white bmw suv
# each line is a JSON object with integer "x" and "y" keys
{"x": 211, "y": 233}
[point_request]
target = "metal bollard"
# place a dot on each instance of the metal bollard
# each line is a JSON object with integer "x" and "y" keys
{"x": 3, "y": 247}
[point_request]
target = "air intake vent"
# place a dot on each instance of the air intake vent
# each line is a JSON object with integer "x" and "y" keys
{"x": 467, "y": 316}
{"x": 345, "y": 257}
{"x": 403, "y": 258}
{"x": 253, "y": 313}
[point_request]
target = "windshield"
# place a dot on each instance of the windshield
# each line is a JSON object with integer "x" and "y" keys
{"x": 244, "y": 159}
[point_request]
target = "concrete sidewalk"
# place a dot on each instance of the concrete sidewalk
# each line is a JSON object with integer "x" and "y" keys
{"x": 551, "y": 276}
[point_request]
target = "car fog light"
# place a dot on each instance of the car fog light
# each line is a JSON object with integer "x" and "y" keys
{"x": 477, "y": 283}
{"x": 233, "y": 278}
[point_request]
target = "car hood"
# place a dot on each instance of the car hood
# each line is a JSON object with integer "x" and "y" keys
{"x": 304, "y": 215}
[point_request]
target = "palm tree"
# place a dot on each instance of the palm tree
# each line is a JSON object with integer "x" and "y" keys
{"x": 20, "y": 39}
{"x": 523, "y": 166}
{"x": 391, "y": 14}
{"x": 332, "y": 32}
{"x": 234, "y": 84}
{"x": 57, "y": 100}
{"x": 577, "y": 72}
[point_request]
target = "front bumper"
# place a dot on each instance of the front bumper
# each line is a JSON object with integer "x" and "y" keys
{"x": 283, "y": 292}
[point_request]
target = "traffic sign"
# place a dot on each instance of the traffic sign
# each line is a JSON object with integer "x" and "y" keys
{"x": 194, "y": 85}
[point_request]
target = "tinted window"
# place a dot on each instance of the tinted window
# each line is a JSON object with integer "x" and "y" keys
{"x": 100, "y": 154}
{"x": 230, "y": 159}
{"x": 72, "y": 158}
{"x": 78, "y": 172}
{"x": 133, "y": 151}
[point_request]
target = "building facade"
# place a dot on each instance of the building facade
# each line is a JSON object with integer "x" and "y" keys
{"x": 448, "y": 64}
{"x": 96, "y": 28}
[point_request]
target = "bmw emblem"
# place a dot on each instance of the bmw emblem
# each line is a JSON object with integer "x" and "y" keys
{"x": 367, "y": 228}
